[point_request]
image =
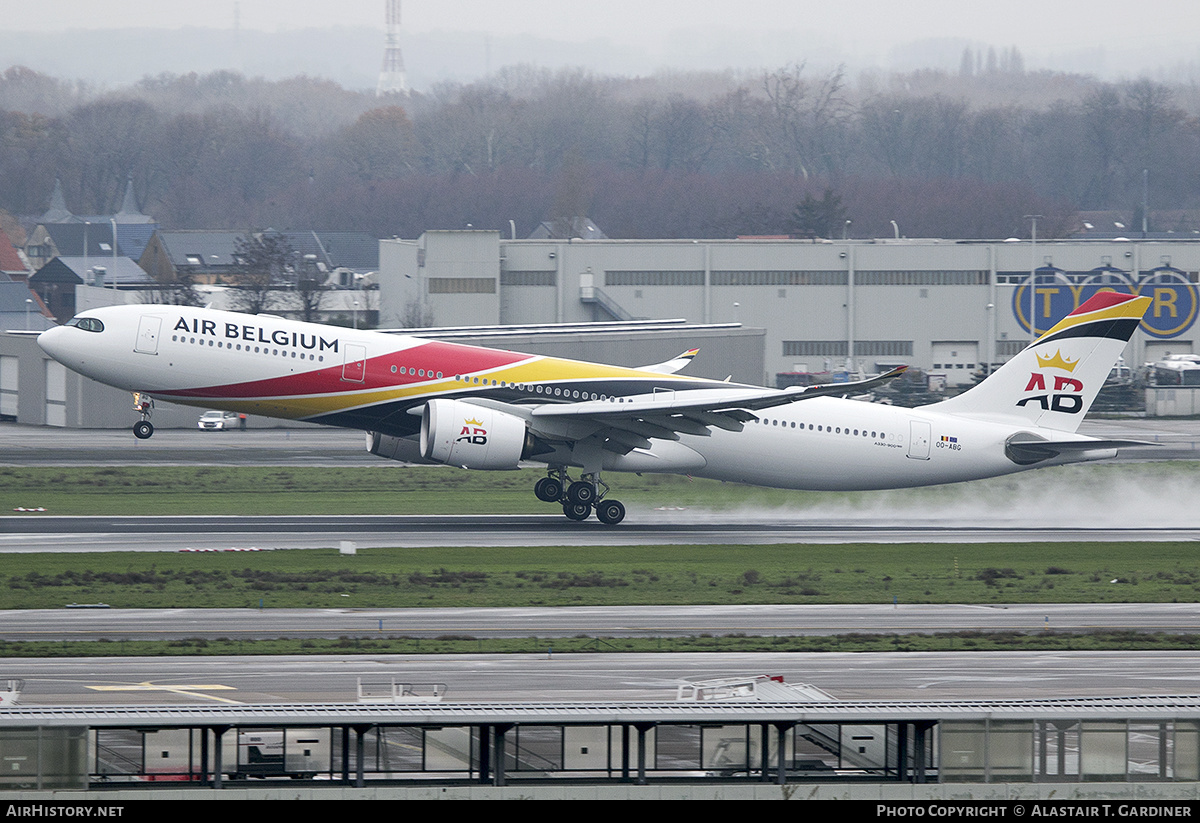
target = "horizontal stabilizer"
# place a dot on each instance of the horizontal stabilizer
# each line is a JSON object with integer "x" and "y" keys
{"x": 1026, "y": 450}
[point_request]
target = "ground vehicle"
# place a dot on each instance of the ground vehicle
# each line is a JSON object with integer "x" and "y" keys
{"x": 218, "y": 421}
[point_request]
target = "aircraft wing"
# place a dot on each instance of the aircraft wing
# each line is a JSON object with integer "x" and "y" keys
{"x": 668, "y": 401}
{"x": 630, "y": 422}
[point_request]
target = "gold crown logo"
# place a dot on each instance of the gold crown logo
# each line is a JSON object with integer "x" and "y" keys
{"x": 472, "y": 423}
{"x": 1056, "y": 362}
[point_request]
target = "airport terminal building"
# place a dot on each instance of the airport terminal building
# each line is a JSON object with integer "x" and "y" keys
{"x": 946, "y": 307}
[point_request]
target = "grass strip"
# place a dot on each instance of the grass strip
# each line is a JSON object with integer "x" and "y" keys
{"x": 989, "y": 574}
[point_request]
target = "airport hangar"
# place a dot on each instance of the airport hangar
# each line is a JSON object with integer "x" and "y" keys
{"x": 943, "y": 306}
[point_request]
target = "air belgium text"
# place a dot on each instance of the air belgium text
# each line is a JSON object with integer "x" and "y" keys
{"x": 257, "y": 334}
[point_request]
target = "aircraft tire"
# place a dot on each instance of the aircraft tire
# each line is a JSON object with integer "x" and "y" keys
{"x": 143, "y": 429}
{"x": 581, "y": 492}
{"x": 577, "y": 511}
{"x": 610, "y": 512}
{"x": 548, "y": 490}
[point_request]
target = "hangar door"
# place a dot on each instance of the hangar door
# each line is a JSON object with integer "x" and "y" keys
{"x": 957, "y": 359}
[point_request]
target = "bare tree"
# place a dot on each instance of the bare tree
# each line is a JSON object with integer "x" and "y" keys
{"x": 310, "y": 289}
{"x": 265, "y": 269}
{"x": 181, "y": 291}
{"x": 416, "y": 316}
{"x": 806, "y": 115}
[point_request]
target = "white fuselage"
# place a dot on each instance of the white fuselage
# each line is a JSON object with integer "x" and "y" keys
{"x": 847, "y": 445}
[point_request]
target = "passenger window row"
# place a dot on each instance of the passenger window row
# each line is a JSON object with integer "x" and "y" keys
{"x": 531, "y": 388}
{"x": 415, "y": 372}
{"x": 821, "y": 428}
{"x": 221, "y": 344}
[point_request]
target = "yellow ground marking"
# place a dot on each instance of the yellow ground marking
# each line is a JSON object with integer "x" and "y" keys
{"x": 189, "y": 689}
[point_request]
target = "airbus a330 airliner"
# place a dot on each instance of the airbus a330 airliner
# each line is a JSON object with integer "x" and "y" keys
{"x": 429, "y": 401}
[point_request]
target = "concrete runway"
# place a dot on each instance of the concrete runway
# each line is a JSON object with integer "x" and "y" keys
{"x": 592, "y": 621}
{"x": 40, "y": 533}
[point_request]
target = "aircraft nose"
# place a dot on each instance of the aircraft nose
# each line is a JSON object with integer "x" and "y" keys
{"x": 52, "y": 343}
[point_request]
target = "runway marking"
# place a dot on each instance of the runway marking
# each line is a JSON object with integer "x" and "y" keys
{"x": 188, "y": 689}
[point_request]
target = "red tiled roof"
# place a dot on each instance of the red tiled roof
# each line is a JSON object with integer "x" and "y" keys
{"x": 9, "y": 259}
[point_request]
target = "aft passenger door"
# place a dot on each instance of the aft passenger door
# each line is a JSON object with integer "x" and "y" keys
{"x": 919, "y": 432}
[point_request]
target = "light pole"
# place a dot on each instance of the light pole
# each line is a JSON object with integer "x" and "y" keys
{"x": 1032, "y": 275}
{"x": 991, "y": 331}
{"x": 28, "y": 305}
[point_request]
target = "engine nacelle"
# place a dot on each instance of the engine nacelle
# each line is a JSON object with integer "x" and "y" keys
{"x": 404, "y": 449}
{"x": 474, "y": 437}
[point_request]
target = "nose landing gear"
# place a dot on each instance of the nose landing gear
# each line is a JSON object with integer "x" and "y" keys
{"x": 580, "y": 498}
{"x": 144, "y": 405}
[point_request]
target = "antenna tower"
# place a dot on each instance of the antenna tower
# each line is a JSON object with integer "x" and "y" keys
{"x": 391, "y": 76}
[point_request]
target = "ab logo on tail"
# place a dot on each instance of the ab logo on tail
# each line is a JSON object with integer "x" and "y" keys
{"x": 1067, "y": 396}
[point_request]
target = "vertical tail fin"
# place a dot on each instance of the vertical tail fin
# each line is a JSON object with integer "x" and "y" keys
{"x": 1054, "y": 380}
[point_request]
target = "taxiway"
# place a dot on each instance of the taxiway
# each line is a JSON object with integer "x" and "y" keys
{"x": 599, "y": 677}
{"x": 115, "y": 625}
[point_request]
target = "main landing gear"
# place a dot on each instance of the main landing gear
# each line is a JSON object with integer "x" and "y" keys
{"x": 580, "y": 497}
{"x": 143, "y": 405}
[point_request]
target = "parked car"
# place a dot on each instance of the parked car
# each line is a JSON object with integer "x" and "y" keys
{"x": 218, "y": 421}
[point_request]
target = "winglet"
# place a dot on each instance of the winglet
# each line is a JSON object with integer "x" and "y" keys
{"x": 673, "y": 365}
{"x": 838, "y": 389}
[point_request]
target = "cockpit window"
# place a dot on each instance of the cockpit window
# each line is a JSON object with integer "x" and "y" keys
{"x": 86, "y": 323}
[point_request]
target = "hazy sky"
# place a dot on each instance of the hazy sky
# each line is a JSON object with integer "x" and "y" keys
{"x": 752, "y": 32}
{"x": 871, "y": 23}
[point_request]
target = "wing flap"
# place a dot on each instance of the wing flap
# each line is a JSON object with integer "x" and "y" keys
{"x": 666, "y": 414}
